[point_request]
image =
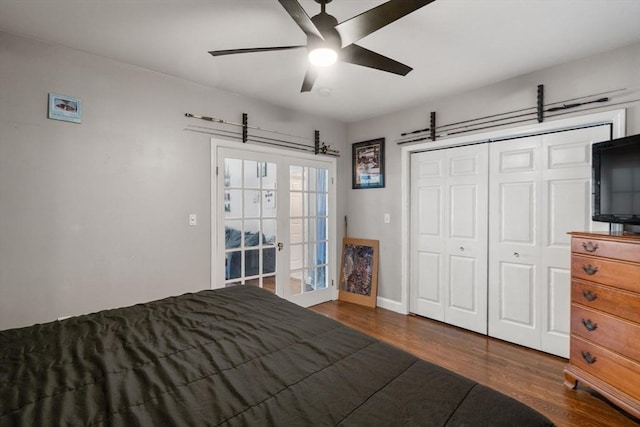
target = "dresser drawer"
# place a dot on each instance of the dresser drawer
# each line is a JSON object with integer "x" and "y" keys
{"x": 618, "y": 250}
{"x": 623, "y": 304}
{"x": 623, "y": 275}
{"x": 608, "y": 331}
{"x": 620, "y": 372}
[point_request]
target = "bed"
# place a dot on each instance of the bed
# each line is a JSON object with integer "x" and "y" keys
{"x": 238, "y": 356}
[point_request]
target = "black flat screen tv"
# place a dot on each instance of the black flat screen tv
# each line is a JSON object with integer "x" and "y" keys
{"x": 616, "y": 180}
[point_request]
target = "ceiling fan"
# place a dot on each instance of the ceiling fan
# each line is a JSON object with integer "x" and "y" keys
{"x": 329, "y": 41}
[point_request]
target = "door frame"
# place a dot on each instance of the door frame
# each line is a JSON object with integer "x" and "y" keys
{"x": 617, "y": 118}
{"x": 215, "y": 206}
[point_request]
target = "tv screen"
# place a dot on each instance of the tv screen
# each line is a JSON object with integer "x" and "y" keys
{"x": 616, "y": 180}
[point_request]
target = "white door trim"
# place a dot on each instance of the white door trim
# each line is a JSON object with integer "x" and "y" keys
{"x": 615, "y": 117}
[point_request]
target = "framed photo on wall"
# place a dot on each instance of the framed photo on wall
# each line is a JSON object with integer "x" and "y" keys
{"x": 368, "y": 164}
{"x": 359, "y": 271}
{"x": 66, "y": 108}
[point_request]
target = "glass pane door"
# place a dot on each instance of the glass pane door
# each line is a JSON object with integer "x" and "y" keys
{"x": 275, "y": 236}
{"x": 250, "y": 222}
{"x": 308, "y": 226}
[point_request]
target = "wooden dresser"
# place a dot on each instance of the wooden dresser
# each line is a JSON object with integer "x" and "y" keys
{"x": 605, "y": 317}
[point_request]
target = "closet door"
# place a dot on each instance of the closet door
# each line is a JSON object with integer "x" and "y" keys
{"x": 449, "y": 235}
{"x": 514, "y": 244}
{"x": 566, "y": 195}
{"x": 428, "y": 188}
{"x": 540, "y": 189}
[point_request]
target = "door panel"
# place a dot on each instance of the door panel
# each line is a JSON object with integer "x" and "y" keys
{"x": 429, "y": 277}
{"x": 517, "y": 213}
{"x": 462, "y": 279}
{"x": 427, "y": 247}
{"x": 309, "y": 221}
{"x": 566, "y": 195}
{"x": 463, "y": 200}
{"x": 517, "y": 294}
{"x": 514, "y": 178}
{"x": 448, "y": 223}
{"x": 249, "y": 222}
{"x": 466, "y": 237}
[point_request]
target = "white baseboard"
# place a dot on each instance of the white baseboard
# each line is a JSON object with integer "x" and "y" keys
{"x": 390, "y": 305}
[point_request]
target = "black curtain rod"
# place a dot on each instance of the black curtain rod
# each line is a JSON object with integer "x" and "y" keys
{"x": 243, "y": 125}
{"x": 563, "y": 107}
{"x": 521, "y": 136}
{"x": 259, "y": 139}
{"x": 512, "y": 112}
{"x": 424, "y": 138}
{"x": 317, "y": 148}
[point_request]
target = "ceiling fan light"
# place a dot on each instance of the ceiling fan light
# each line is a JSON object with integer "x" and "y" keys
{"x": 323, "y": 57}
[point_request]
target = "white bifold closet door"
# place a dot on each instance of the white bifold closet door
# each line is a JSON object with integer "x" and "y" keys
{"x": 489, "y": 246}
{"x": 449, "y": 236}
{"x": 539, "y": 189}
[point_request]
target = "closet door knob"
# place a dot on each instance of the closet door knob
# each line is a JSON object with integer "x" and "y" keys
{"x": 461, "y": 248}
{"x": 516, "y": 254}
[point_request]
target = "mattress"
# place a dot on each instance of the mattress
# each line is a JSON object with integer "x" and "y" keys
{"x": 237, "y": 356}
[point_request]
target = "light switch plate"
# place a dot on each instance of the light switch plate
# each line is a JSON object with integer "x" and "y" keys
{"x": 193, "y": 219}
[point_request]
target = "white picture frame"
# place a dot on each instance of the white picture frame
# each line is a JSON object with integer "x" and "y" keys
{"x": 65, "y": 108}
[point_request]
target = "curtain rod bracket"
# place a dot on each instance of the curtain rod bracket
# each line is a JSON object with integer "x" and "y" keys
{"x": 432, "y": 128}
{"x": 316, "y": 142}
{"x": 321, "y": 147}
{"x": 245, "y": 127}
{"x": 540, "y": 103}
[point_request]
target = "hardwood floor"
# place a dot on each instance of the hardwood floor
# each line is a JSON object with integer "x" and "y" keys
{"x": 529, "y": 376}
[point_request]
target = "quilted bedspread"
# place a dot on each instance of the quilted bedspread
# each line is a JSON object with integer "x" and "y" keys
{"x": 237, "y": 356}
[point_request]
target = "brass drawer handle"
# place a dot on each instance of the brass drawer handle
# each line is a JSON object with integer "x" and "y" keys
{"x": 588, "y": 295}
{"x": 589, "y": 325}
{"x": 590, "y": 269}
{"x": 590, "y": 247}
{"x": 588, "y": 357}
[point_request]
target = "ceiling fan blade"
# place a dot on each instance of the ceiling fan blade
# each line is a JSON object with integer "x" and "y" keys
{"x": 298, "y": 14}
{"x": 309, "y": 79}
{"x": 251, "y": 50}
{"x": 358, "y": 55}
{"x": 367, "y": 22}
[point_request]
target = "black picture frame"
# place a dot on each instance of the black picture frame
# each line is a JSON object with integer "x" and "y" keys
{"x": 368, "y": 164}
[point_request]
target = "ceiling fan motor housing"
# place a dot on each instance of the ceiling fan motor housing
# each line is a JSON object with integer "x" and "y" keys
{"x": 325, "y": 23}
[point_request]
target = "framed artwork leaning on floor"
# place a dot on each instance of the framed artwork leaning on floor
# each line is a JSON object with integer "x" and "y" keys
{"x": 359, "y": 271}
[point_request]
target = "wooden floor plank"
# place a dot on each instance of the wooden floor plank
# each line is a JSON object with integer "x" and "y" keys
{"x": 529, "y": 376}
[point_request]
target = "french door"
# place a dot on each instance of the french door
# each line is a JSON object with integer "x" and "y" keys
{"x": 274, "y": 223}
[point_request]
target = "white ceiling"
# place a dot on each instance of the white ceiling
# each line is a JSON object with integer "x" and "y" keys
{"x": 453, "y": 45}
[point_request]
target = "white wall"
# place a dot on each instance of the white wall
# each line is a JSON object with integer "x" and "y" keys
{"x": 94, "y": 215}
{"x": 608, "y": 71}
